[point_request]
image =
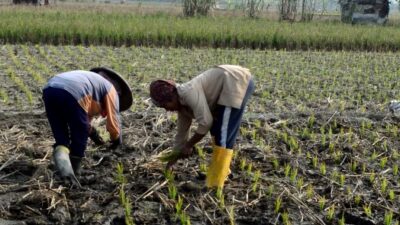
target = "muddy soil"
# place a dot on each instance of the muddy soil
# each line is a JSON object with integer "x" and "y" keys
{"x": 31, "y": 192}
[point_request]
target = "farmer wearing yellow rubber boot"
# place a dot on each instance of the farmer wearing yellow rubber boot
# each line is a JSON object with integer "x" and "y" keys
{"x": 71, "y": 100}
{"x": 216, "y": 99}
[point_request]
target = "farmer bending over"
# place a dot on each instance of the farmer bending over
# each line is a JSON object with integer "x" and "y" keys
{"x": 216, "y": 99}
{"x": 71, "y": 100}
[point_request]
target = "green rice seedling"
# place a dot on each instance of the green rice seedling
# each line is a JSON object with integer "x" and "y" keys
{"x": 242, "y": 164}
{"x": 384, "y": 185}
{"x": 172, "y": 191}
{"x": 392, "y": 195}
{"x": 388, "y": 218}
{"x": 169, "y": 175}
{"x": 235, "y": 154}
{"x": 174, "y": 118}
{"x": 124, "y": 200}
{"x": 120, "y": 178}
{"x": 310, "y": 191}
{"x": 184, "y": 219}
{"x": 293, "y": 144}
{"x": 348, "y": 189}
{"x": 287, "y": 170}
{"x": 357, "y": 199}
{"x": 372, "y": 177}
{"x": 395, "y": 170}
{"x": 203, "y": 167}
{"x": 341, "y": 221}
{"x": 293, "y": 175}
{"x": 178, "y": 206}
{"x": 285, "y": 218}
{"x": 220, "y": 196}
{"x": 330, "y": 213}
{"x": 232, "y": 215}
{"x": 3, "y": 96}
{"x": 256, "y": 179}
{"x": 305, "y": 134}
{"x": 330, "y": 133}
{"x": 331, "y": 147}
{"x": 342, "y": 179}
{"x": 383, "y": 162}
{"x": 200, "y": 152}
{"x": 369, "y": 125}
{"x": 335, "y": 175}
{"x": 300, "y": 183}
{"x": 285, "y": 137}
{"x": 323, "y": 139}
{"x": 249, "y": 169}
{"x": 368, "y": 210}
{"x": 315, "y": 162}
{"x": 322, "y": 168}
{"x": 395, "y": 154}
{"x": 271, "y": 189}
{"x": 394, "y": 131}
{"x": 353, "y": 166}
{"x": 21, "y": 85}
{"x": 362, "y": 129}
{"x": 278, "y": 204}
{"x": 311, "y": 121}
{"x": 321, "y": 202}
{"x": 337, "y": 156}
{"x": 253, "y": 135}
{"x": 350, "y": 134}
{"x": 275, "y": 163}
{"x": 363, "y": 168}
{"x": 322, "y": 129}
{"x": 341, "y": 133}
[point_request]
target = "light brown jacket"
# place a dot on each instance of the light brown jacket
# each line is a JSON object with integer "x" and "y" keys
{"x": 224, "y": 85}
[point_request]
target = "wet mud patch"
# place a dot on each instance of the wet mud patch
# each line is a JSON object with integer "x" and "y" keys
{"x": 284, "y": 169}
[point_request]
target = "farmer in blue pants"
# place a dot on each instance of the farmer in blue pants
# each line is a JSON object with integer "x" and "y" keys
{"x": 71, "y": 100}
{"x": 216, "y": 99}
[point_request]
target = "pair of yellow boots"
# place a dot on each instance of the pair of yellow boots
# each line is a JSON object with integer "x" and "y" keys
{"x": 218, "y": 169}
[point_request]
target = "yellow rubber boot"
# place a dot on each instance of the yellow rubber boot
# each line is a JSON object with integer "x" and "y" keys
{"x": 219, "y": 167}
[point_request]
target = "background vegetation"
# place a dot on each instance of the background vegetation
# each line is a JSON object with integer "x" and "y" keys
{"x": 108, "y": 27}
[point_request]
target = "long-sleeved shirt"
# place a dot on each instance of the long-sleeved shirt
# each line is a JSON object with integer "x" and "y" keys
{"x": 95, "y": 94}
{"x": 223, "y": 85}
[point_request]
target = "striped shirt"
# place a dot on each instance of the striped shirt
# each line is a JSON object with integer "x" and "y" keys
{"x": 95, "y": 94}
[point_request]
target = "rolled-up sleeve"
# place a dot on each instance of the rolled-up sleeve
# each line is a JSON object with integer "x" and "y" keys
{"x": 111, "y": 108}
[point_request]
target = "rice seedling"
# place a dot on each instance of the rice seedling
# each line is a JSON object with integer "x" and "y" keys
{"x": 384, "y": 185}
{"x": 342, "y": 221}
{"x": 330, "y": 213}
{"x": 285, "y": 218}
{"x": 388, "y": 218}
{"x": 383, "y": 162}
{"x": 278, "y": 204}
{"x": 342, "y": 179}
{"x": 395, "y": 170}
{"x": 256, "y": 180}
{"x": 124, "y": 200}
{"x": 368, "y": 210}
{"x": 322, "y": 202}
{"x": 392, "y": 195}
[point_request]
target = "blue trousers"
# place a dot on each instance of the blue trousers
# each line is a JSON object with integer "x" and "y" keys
{"x": 69, "y": 122}
{"x": 227, "y": 121}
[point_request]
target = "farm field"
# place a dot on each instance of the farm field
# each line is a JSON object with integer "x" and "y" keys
{"x": 132, "y": 26}
{"x": 317, "y": 145}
